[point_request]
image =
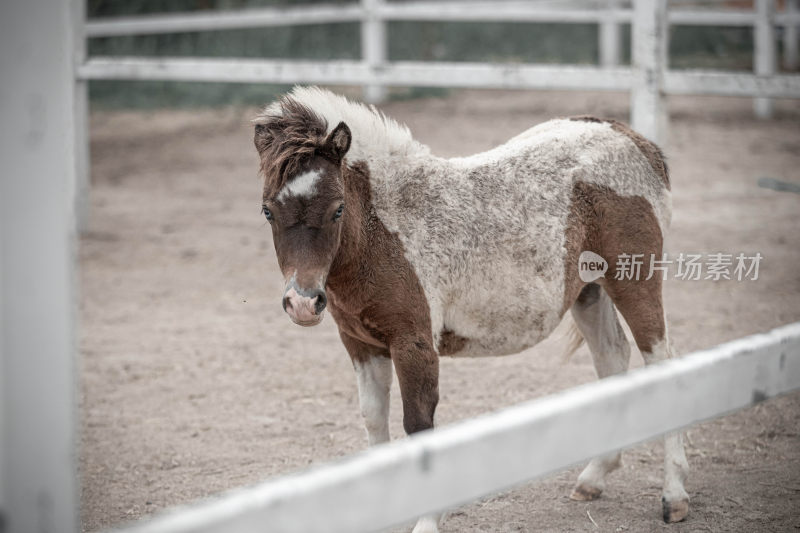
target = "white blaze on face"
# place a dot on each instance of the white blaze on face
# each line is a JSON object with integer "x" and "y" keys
{"x": 301, "y": 185}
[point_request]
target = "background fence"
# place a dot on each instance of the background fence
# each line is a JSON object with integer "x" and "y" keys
{"x": 648, "y": 79}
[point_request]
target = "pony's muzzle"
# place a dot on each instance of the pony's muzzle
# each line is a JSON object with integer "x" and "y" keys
{"x": 304, "y": 307}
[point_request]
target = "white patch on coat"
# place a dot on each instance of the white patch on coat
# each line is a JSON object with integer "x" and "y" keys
{"x": 485, "y": 234}
{"x": 676, "y": 467}
{"x": 592, "y": 479}
{"x": 374, "y": 378}
{"x": 427, "y": 524}
{"x": 659, "y": 352}
{"x": 598, "y": 323}
{"x": 375, "y": 137}
{"x": 301, "y": 185}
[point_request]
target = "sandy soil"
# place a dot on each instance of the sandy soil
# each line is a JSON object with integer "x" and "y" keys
{"x": 194, "y": 381}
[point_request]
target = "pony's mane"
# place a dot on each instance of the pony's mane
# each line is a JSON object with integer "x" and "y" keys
{"x": 287, "y": 134}
{"x": 314, "y": 112}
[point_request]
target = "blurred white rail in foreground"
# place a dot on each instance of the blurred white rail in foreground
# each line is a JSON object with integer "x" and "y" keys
{"x": 396, "y": 482}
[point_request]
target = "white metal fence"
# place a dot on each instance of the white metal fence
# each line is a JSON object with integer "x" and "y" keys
{"x": 374, "y": 14}
{"x": 374, "y": 72}
{"x": 648, "y": 78}
{"x": 38, "y": 482}
{"x": 396, "y": 482}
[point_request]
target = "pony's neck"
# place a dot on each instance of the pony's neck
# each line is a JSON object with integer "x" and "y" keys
{"x": 358, "y": 206}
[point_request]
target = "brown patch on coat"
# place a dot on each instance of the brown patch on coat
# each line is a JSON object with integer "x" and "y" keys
{"x": 649, "y": 149}
{"x": 378, "y": 303}
{"x": 376, "y": 297}
{"x": 450, "y": 343}
{"x": 363, "y": 351}
{"x": 609, "y": 225}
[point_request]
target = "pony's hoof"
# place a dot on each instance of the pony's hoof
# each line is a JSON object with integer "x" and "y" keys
{"x": 585, "y": 493}
{"x": 427, "y": 524}
{"x": 675, "y": 511}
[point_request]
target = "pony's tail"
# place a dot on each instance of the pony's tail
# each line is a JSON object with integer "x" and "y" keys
{"x": 574, "y": 341}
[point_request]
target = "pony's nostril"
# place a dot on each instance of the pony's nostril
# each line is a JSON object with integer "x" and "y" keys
{"x": 321, "y": 302}
{"x": 286, "y": 303}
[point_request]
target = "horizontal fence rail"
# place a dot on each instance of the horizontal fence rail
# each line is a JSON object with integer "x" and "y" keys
{"x": 438, "y": 74}
{"x": 400, "y": 73}
{"x": 436, "y": 470}
{"x": 502, "y": 11}
{"x": 711, "y": 82}
{"x": 223, "y": 20}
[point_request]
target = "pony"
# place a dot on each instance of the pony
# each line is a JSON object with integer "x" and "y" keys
{"x": 418, "y": 256}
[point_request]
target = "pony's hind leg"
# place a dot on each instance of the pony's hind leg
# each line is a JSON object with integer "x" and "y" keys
{"x": 640, "y": 303}
{"x": 596, "y": 319}
{"x": 674, "y": 498}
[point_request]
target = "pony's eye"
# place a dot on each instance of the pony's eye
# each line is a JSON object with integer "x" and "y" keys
{"x": 267, "y": 212}
{"x": 338, "y": 214}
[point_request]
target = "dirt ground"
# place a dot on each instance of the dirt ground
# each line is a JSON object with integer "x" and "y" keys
{"x": 194, "y": 381}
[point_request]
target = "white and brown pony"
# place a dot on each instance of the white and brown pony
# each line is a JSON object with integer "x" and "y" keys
{"x": 417, "y": 256}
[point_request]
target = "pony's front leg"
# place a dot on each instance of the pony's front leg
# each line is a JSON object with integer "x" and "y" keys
{"x": 417, "y": 367}
{"x": 374, "y": 377}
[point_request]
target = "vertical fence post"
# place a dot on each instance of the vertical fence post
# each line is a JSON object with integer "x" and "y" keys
{"x": 649, "y": 54}
{"x": 764, "y": 61}
{"x": 37, "y": 350}
{"x": 82, "y": 165}
{"x": 609, "y": 40}
{"x": 790, "y": 61}
{"x": 373, "y": 47}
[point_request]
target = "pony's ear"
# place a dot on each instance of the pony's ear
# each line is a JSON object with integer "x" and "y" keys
{"x": 262, "y": 137}
{"x": 338, "y": 142}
